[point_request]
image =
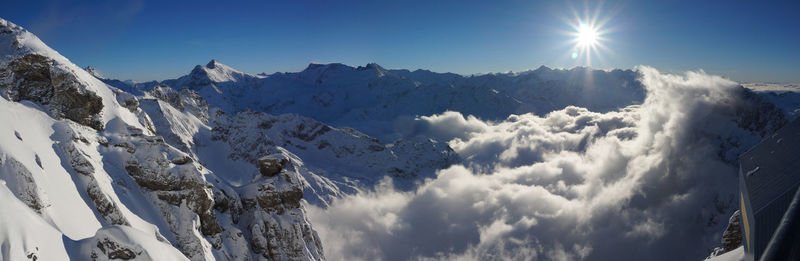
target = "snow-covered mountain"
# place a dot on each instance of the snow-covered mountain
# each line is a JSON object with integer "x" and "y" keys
{"x": 382, "y": 103}
{"x": 220, "y": 164}
{"x": 161, "y": 174}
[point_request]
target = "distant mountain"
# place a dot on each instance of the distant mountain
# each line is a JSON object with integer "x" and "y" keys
{"x": 786, "y": 96}
{"x": 382, "y": 102}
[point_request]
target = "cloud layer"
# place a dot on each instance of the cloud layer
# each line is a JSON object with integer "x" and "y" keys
{"x": 648, "y": 182}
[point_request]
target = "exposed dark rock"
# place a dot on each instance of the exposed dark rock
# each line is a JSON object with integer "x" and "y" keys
{"x": 38, "y": 160}
{"x": 275, "y": 201}
{"x": 308, "y": 131}
{"x": 78, "y": 159}
{"x": 271, "y": 165}
{"x": 34, "y": 77}
{"x": 185, "y": 100}
{"x": 182, "y": 160}
{"x": 267, "y": 124}
{"x": 81, "y": 139}
{"x": 276, "y": 240}
{"x": 167, "y": 94}
{"x": 376, "y": 148}
{"x": 32, "y": 256}
{"x": 113, "y": 250}
{"x": 172, "y": 197}
{"x": 228, "y": 201}
{"x": 25, "y": 189}
{"x": 174, "y": 184}
{"x": 152, "y": 180}
{"x": 106, "y": 207}
{"x": 128, "y": 147}
{"x": 732, "y": 237}
{"x": 271, "y": 238}
{"x": 400, "y": 173}
{"x": 154, "y": 139}
{"x": 103, "y": 141}
{"x": 79, "y": 162}
{"x": 127, "y": 100}
{"x": 131, "y": 104}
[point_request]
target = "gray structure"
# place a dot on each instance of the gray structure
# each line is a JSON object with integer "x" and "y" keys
{"x": 769, "y": 175}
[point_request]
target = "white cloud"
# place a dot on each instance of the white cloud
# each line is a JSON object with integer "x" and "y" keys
{"x": 641, "y": 183}
{"x": 450, "y": 124}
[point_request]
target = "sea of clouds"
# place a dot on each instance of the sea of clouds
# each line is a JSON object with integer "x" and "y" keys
{"x": 655, "y": 181}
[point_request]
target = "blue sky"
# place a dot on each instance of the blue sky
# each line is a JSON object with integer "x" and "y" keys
{"x": 145, "y": 40}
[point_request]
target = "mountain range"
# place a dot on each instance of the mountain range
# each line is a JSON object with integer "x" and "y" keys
{"x": 221, "y": 164}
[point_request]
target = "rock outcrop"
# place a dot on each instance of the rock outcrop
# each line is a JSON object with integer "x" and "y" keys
{"x": 33, "y": 77}
{"x": 20, "y": 180}
{"x": 271, "y": 165}
{"x": 732, "y": 237}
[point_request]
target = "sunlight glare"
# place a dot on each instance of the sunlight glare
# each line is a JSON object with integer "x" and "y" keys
{"x": 587, "y": 40}
{"x": 587, "y": 36}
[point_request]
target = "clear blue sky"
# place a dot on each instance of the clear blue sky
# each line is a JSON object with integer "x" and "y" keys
{"x": 144, "y": 40}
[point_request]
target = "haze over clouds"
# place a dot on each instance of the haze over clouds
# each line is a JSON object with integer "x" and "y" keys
{"x": 647, "y": 182}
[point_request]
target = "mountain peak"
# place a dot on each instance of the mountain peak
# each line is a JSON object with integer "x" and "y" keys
{"x": 313, "y": 65}
{"x": 213, "y": 64}
{"x": 327, "y": 66}
{"x": 16, "y": 41}
{"x": 374, "y": 66}
{"x": 215, "y": 71}
{"x": 94, "y": 72}
{"x": 380, "y": 71}
{"x": 7, "y": 27}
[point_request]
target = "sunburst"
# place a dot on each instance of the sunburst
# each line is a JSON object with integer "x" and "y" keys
{"x": 588, "y": 36}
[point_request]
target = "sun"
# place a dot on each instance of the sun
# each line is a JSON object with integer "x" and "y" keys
{"x": 588, "y": 33}
{"x": 586, "y": 36}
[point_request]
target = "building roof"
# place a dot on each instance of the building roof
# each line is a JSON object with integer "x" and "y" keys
{"x": 772, "y": 168}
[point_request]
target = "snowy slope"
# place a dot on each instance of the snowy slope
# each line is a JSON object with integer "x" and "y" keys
{"x": 733, "y": 255}
{"x": 112, "y": 172}
{"x": 332, "y": 161}
{"x": 95, "y": 181}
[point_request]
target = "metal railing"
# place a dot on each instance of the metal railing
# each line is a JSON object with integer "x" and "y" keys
{"x": 785, "y": 242}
